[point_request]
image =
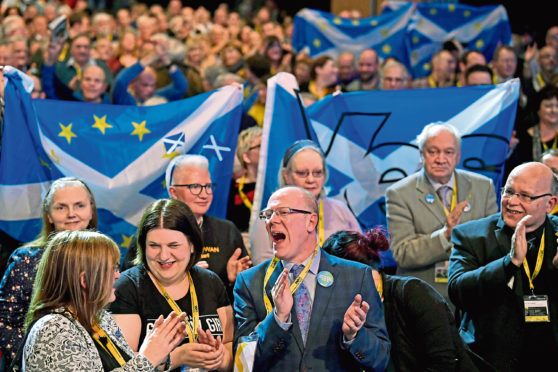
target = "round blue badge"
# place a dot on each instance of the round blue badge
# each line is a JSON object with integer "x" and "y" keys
{"x": 325, "y": 278}
{"x": 467, "y": 207}
{"x": 429, "y": 198}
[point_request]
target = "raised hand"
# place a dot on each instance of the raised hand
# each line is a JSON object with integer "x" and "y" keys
{"x": 354, "y": 318}
{"x": 163, "y": 338}
{"x": 518, "y": 250}
{"x": 282, "y": 296}
{"x": 235, "y": 264}
{"x": 453, "y": 218}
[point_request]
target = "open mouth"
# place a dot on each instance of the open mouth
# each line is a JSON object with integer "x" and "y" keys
{"x": 277, "y": 236}
{"x": 166, "y": 265}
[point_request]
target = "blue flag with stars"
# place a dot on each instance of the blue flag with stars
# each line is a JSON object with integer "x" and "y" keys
{"x": 480, "y": 28}
{"x": 121, "y": 152}
{"x": 320, "y": 33}
{"x": 369, "y": 138}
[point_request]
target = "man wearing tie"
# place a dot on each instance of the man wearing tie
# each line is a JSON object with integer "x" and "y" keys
{"x": 332, "y": 322}
{"x": 423, "y": 208}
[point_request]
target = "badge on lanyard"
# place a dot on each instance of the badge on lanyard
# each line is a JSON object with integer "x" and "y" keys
{"x": 441, "y": 272}
{"x": 325, "y": 278}
{"x": 536, "y": 308}
{"x": 429, "y": 199}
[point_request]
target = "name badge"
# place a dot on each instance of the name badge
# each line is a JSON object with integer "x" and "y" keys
{"x": 441, "y": 272}
{"x": 536, "y": 308}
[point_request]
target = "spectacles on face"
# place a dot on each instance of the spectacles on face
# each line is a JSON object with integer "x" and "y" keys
{"x": 524, "y": 198}
{"x": 282, "y": 212}
{"x": 254, "y": 147}
{"x": 196, "y": 188}
{"x": 304, "y": 174}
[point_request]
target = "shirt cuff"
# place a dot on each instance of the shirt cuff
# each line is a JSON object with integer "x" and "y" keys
{"x": 347, "y": 343}
{"x": 284, "y": 325}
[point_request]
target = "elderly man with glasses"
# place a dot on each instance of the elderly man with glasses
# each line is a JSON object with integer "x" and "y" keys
{"x": 503, "y": 275}
{"x": 305, "y": 309}
{"x": 188, "y": 180}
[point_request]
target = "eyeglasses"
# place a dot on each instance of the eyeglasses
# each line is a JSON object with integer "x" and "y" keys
{"x": 282, "y": 212}
{"x": 304, "y": 174}
{"x": 254, "y": 147}
{"x": 196, "y": 188}
{"x": 524, "y": 198}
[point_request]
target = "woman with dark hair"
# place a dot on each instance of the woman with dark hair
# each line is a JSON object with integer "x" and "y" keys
{"x": 67, "y": 205}
{"x": 279, "y": 59}
{"x": 323, "y": 77}
{"x": 68, "y": 330}
{"x": 420, "y": 325}
{"x": 543, "y": 135}
{"x": 166, "y": 278}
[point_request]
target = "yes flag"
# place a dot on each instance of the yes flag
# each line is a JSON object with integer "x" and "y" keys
{"x": 369, "y": 138}
{"x": 121, "y": 152}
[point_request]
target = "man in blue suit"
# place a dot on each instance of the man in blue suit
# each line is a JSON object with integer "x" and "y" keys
{"x": 329, "y": 319}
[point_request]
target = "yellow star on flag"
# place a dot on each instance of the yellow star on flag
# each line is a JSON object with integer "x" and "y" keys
{"x": 44, "y": 164}
{"x": 386, "y": 49}
{"x": 451, "y": 7}
{"x": 337, "y": 20}
{"x": 479, "y": 44}
{"x": 374, "y": 23}
{"x": 140, "y": 130}
{"x": 171, "y": 156}
{"x": 467, "y": 13}
{"x": 323, "y": 26}
{"x": 126, "y": 241}
{"x": 317, "y": 43}
{"x": 355, "y": 22}
{"x": 67, "y": 132}
{"x": 101, "y": 123}
{"x": 384, "y": 32}
{"x": 433, "y": 11}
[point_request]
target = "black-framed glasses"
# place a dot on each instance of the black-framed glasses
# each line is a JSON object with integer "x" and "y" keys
{"x": 305, "y": 173}
{"x": 282, "y": 212}
{"x": 524, "y": 198}
{"x": 196, "y": 188}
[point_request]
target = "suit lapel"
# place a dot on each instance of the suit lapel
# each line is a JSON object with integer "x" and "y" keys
{"x": 426, "y": 191}
{"x": 504, "y": 243}
{"x": 322, "y": 296}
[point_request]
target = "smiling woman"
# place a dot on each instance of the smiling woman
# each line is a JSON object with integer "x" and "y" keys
{"x": 166, "y": 278}
{"x": 67, "y": 205}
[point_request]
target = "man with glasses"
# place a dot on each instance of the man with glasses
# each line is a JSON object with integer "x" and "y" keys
{"x": 188, "y": 180}
{"x": 305, "y": 309}
{"x": 423, "y": 208}
{"x": 503, "y": 275}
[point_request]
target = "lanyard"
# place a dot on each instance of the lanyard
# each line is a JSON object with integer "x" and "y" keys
{"x": 538, "y": 265}
{"x": 545, "y": 146}
{"x": 109, "y": 347}
{"x": 453, "y": 198}
{"x": 243, "y": 196}
{"x": 78, "y": 70}
{"x": 431, "y": 82}
{"x": 192, "y": 332}
{"x": 294, "y": 285}
{"x": 321, "y": 230}
{"x": 380, "y": 286}
{"x": 541, "y": 80}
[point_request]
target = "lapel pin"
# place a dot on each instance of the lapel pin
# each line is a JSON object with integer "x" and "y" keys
{"x": 325, "y": 278}
{"x": 429, "y": 198}
{"x": 467, "y": 207}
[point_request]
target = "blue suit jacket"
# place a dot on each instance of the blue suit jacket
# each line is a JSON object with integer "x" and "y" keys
{"x": 280, "y": 350}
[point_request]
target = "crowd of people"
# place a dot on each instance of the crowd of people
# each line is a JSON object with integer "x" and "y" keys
{"x": 475, "y": 288}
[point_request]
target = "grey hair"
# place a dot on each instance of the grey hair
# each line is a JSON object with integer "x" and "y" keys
{"x": 433, "y": 129}
{"x": 395, "y": 63}
{"x": 195, "y": 161}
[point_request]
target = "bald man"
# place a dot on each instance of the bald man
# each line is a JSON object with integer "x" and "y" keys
{"x": 368, "y": 68}
{"x": 503, "y": 275}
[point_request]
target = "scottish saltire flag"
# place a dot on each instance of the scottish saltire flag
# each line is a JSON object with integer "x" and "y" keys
{"x": 120, "y": 151}
{"x": 369, "y": 138}
{"x": 476, "y": 28}
{"x": 321, "y": 33}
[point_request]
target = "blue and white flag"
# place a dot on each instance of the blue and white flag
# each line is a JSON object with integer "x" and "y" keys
{"x": 320, "y": 33}
{"x": 480, "y": 28}
{"x": 121, "y": 152}
{"x": 369, "y": 138}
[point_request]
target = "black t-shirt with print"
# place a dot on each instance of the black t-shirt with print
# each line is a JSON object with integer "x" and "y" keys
{"x": 137, "y": 294}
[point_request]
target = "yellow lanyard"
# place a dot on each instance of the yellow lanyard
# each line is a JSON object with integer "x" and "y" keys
{"x": 321, "y": 230}
{"x": 538, "y": 265}
{"x": 109, "y": 347}
{"x": 192, "y": 331}
{"x": 453, "y": 198}
{"x": 545, "y": 146}
{"x": 554, "y": 210}
{"x": 243, "y": 196}
{"x": 78, "y": 70}
{"x": 540, "y": 79}
{"x": 431, "y": 82}
{"x": 294, "y": 286}
{"x": 380, "y": 287}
